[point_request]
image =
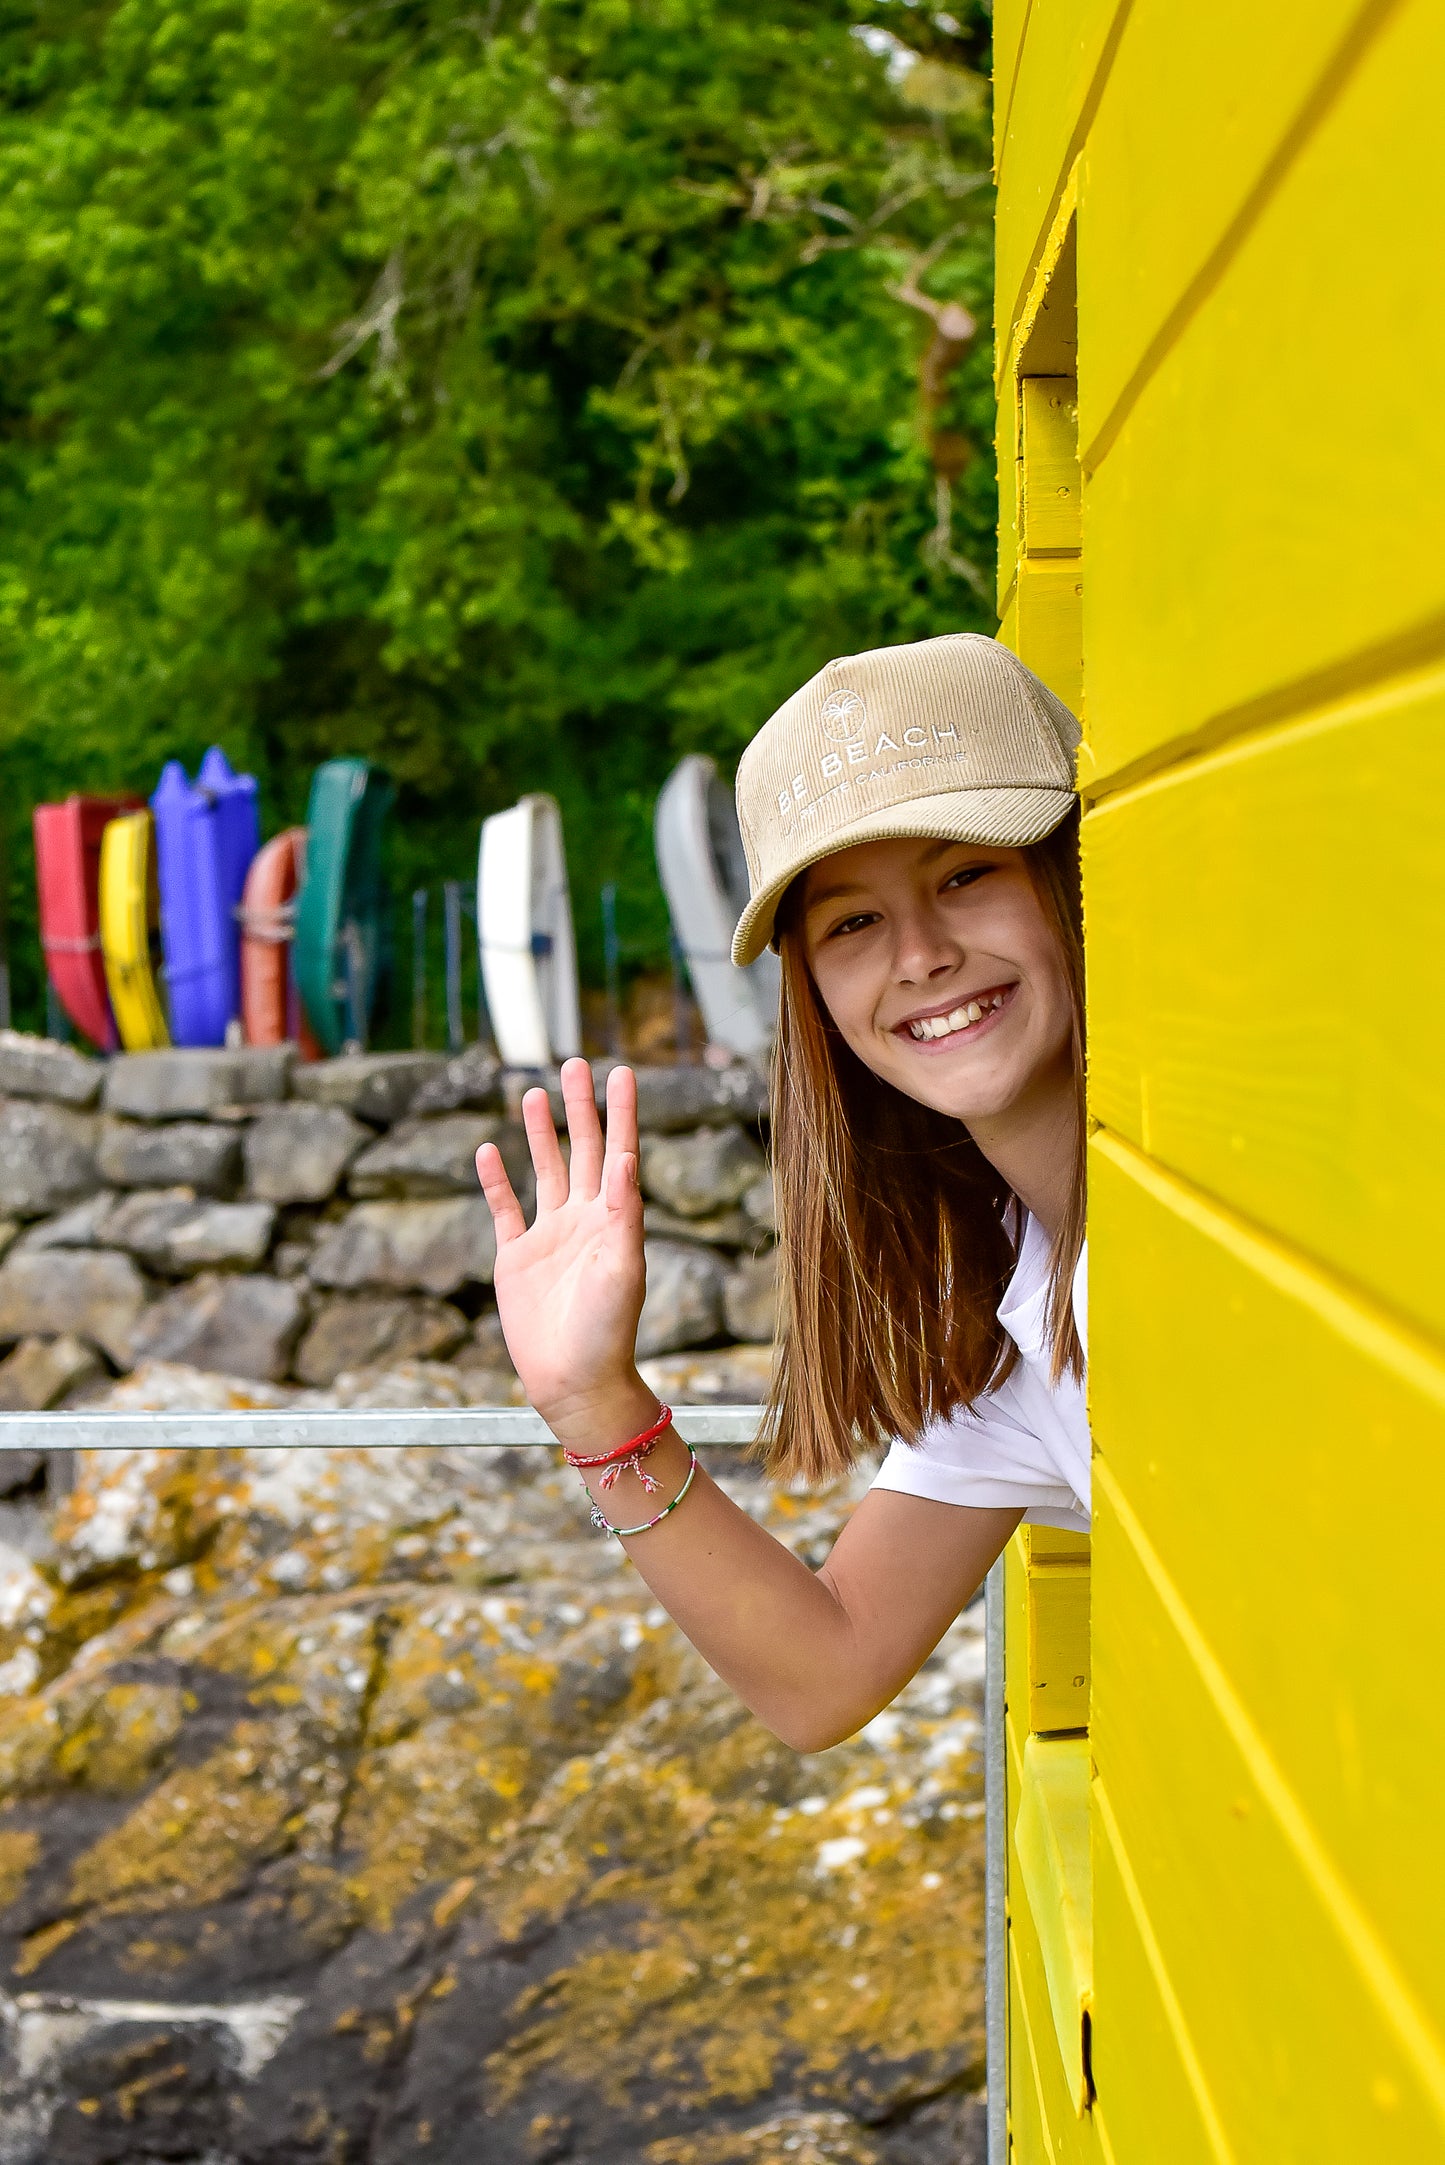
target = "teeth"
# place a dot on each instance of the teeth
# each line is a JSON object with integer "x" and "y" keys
{"x": 960, "y": 1018}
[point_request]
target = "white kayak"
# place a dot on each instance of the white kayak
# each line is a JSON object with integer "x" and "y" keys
{"x": 529, "y": 952}
{"x": 705, "y": 878}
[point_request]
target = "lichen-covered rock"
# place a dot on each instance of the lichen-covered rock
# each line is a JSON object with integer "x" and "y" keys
{"x": 684, "y": 1297}
{"x": 298, "y": 1153}
{"x": 96, "y": 1294}
{"x": 424, "y": 1247}
{"x": 47, "y": 1157}
{"x": 437, "y": 1155}
{"x": 470, "y": 1082}
{"x": 173, "y": 1233}
{"x": 39, "y": 1067}
{"x": 40, "y": 1372}
{"x": 238, "y": 1326}
{"x": 750, "y": 1298}
{"x": 82, "y": 1226}
{"x": 705, "y": 1171}
{"x": 375, "y": 1330}
{"x": 188, "y": 1082}
{"x": 173, "y": 1154}
{"x": 718, "y": 1228}
{"x": 352, "y": 1803}
{"x": 376, "y": 1086}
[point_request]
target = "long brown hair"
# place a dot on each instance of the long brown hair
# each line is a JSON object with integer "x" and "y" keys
{"x": 896, "y": 1235}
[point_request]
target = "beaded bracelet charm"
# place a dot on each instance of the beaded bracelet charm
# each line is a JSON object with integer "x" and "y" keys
{"x": 628, "y": 1457}
{"x": 623, "y": 1533}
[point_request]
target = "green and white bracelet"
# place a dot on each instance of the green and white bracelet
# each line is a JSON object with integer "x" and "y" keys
{"x": 623, "y": 1533}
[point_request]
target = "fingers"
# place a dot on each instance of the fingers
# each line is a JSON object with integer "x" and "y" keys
{"x": 620, "y": 1173}
{"x": 583, "y": 1127}
{"x": 546, "y": 1155}
{"x": 501, "y": 1201}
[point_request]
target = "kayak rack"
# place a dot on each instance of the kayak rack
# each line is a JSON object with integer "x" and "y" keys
{"x": 366, "y": 1428}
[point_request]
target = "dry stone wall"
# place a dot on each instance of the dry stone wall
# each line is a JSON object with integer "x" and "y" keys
{"x": 239, "y": 1212}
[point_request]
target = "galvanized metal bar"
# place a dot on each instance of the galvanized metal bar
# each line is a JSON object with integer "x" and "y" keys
{"x": 995, "y": 1836}
{"x": 368, "y": 1428}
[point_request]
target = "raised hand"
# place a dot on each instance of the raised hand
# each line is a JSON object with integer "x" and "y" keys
{"x": 570, "y": 1285}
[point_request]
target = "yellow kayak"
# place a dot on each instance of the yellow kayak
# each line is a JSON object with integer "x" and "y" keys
{"x": 129, "y": 918}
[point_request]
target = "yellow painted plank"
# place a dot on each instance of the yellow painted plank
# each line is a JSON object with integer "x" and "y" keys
{"x": 1265, "y": 1433}
{"x": 1270, "y": 508}
{"x": 1207, "y": 101}
{"x": 1267, "y": 988}
{"x": 1054, "y": 2131}
{"x": 1145, "y": 2066}
{"x": 1059, "y": 73}
{"x": 1304, "y": 2065}
{"x": 1051, "y": 524}
{"x": 1049, "y": 624}
{"x": 1010, "y": 21}
{"x": 1008, "y": 492}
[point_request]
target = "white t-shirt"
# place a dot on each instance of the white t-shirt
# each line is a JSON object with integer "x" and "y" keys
{"x": 1027, "y": 1443}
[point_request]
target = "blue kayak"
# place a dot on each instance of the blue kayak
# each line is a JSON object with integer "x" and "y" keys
{"x": 207, "y": 832}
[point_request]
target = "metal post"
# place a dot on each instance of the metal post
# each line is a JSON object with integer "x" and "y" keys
{"x": 452, "y": 919}
{"x": 611, "y": 964}
{"x": 418, "y": 969}
{"x": 57, "y": 1022}
{"x": 355, "y": 987}
{"x": 995, "y": 1835}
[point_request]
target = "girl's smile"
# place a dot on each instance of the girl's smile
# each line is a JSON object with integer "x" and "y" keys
{"x": 938, "y": 964}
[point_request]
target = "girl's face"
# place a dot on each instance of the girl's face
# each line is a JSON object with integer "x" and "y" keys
{"x": 942, "y": 971}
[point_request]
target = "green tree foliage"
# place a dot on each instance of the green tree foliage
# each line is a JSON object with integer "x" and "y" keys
{"x": 518, "y": 392}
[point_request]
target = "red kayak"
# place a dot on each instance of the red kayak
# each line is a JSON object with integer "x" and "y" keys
{"x": 270, "y": 1010}
{"x": 67, "y": 879}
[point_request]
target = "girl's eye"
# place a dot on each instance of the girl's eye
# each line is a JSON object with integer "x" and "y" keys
{"x": 966, "y": 875}
{"x": 852, "y": 924}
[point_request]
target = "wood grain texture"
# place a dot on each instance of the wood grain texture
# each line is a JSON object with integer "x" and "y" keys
{"x": 1270, "y": 510}
{"x": 1219, "y": 139}
{"x": 1261, "y": 1436}
{"x": 1267, "y": 983}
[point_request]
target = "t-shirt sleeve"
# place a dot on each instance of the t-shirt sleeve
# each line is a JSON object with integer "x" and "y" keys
{"x": 988, "y": 1456}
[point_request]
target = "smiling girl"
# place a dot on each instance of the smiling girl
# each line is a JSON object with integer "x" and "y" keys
{"x": 911, "y": 832}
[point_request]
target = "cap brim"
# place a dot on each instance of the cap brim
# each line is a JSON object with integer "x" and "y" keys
{"x": 1001, "y": 818}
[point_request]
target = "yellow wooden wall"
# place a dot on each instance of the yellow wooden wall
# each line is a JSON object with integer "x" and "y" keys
{"x": 1222, "y": 529}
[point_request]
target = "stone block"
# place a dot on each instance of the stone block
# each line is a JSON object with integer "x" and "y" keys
{"x": 702, "y": 1172}
{"x": 376, "y": 1086}
{"x": 750, "y": 1298}
{"x": 437, "y": 1155}
{"x": 188, "y": 1082}
{"x": 427, "y": 1247}
{"x": 298, "y": 1153}
{"x": 684, "y": 1304}
{"x": 470, "y": 1082}
{"x": 40, "y": 1373}
{"x": 92, "y": 1293}
{"x": 174, "y": 1233}
{"x": 760, "y": 1203}
{"x": 720, "y": 1228}
{"x": 175, "y": 1154}
{"x": 82, "y": 1226}
{"x": 39, "y": 1067}
{"x": 376, "y": 1330}
{"x": 724, "y": 1376}
{"x": 47, "y": 1157}
{"x": 232, "y": 1325}
{"x": 670, "y": 1099}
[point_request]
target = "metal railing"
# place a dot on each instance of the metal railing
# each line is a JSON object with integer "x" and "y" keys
{"x": 368, "y": 1428}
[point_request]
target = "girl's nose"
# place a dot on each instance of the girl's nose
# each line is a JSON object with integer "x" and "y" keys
{"x": 925, "y": 949}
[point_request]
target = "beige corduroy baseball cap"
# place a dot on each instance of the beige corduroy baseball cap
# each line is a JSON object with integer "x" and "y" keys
{"x": 950, "y": 737}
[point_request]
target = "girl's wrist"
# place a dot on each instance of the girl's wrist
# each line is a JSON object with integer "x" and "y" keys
{"x": 600, "y": 1419}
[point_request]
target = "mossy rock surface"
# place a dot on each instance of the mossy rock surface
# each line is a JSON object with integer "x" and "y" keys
{"x": 363, "y": 1807}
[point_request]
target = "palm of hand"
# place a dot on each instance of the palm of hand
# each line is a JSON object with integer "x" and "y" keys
{"x": 570, "y": 1286}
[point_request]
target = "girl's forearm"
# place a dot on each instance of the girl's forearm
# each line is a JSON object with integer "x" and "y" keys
{"x": 772, "y": 1630}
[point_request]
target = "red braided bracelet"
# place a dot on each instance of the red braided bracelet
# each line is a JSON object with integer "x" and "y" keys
{"x": 627, "y": 1457}
{"x": 634, "y": 1449}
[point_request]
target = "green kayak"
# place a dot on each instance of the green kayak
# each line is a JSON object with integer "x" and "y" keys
{"x": 340, "y": 915}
